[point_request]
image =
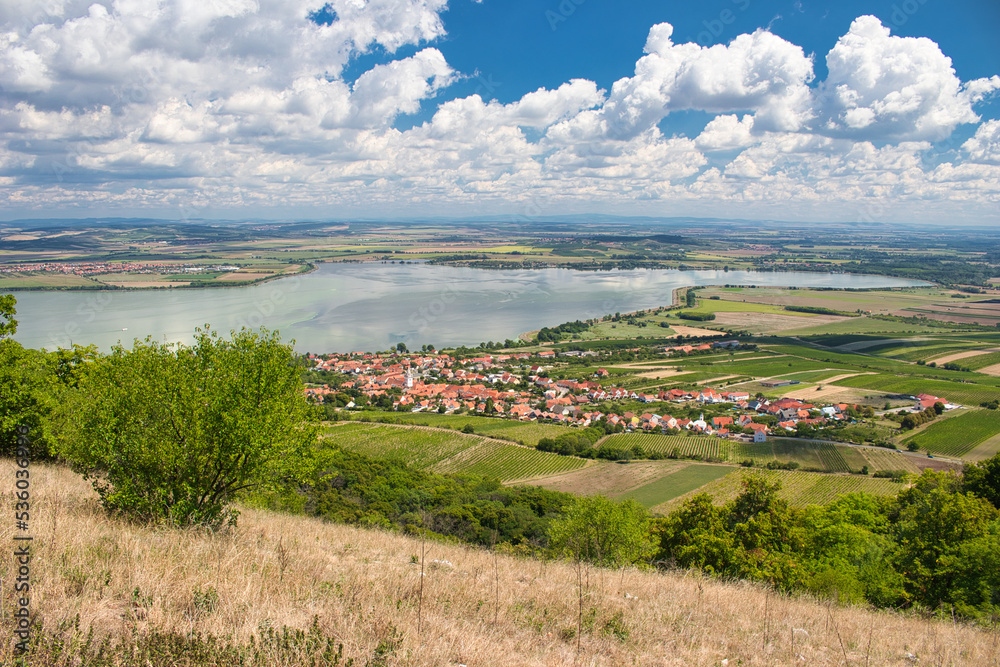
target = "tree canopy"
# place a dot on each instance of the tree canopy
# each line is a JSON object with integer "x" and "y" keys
{"x": 173, "y": 433}
{"x": 8, "y": 325}
{"x": 603, "y": 531}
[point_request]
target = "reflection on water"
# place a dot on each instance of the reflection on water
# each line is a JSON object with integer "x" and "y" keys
{"x": 345, "y": 307}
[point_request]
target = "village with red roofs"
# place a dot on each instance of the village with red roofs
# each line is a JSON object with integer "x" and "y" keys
{"x": 515, "y": 386}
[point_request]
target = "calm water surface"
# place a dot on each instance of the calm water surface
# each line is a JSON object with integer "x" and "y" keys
{"x": 346, "y": 307}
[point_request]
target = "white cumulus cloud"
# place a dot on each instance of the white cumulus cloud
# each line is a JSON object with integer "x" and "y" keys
{"x": 886, "y": 87}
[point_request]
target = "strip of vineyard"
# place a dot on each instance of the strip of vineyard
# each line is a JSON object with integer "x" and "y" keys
{"x": 442, "y": 450}
{"x": 969, "y": 394}
{"x": 887, "y": 459}
{"x": 418, "y": 447}
{"x": 507, "y": 462}
{"x": 959, "y": 435}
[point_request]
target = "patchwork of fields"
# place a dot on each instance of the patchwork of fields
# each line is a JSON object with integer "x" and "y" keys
{"x": 858, "y": 360}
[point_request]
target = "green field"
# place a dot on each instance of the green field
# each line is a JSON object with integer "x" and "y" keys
{"x": 959, "y": 392}
{"x": 45, "y": 280}
{"x": 527, "y": 433}
{"x": 727, "y": 306}
{"x": 980, "y": 360}
{"x": 421, "y": 448}
{"x": 771, "y": 367}
{"x": 817, "y": 455}
{"x": 861, "y": 325}
{"x": 676, "y": 484}
{"x": 958, "y": 435}
{"x": 887, "y": 459}
{"x": 798, "y": 488}
{"x": 507, "y": 462}
{"x": 450, "y": 451}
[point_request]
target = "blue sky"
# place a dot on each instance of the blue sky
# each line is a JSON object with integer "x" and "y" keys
{"x": 875, "y": 111}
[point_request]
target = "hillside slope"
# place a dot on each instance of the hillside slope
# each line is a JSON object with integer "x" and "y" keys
{"x": 363, "y": 586}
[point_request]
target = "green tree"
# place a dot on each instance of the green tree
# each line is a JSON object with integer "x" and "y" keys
{"x": 28, "y": 381}
{"x": 602, "y": 531}
{"x": 933, "y": 521}
{"x": 8, "y": 325}
{"x": 695, "y": 536}
{"x": 174, "y": 433}
{"x": 22, "y": 373}
{"x": 983, "y": 479}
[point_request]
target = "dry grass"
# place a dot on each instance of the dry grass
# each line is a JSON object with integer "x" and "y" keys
{"x": 991, "y": 370}
{"x": 962, "y": 355}
{"x": 362, "y": 585}
{"x": 695, "y": 331}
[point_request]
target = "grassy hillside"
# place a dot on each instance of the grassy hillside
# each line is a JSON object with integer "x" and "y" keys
{"x": 363, "y": 589}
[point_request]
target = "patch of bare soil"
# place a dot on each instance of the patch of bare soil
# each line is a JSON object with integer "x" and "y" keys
{"x": 608, "y": 479}
{"x": 925, "y": 463}
{"x": 663, "y": 373}
{"x": 695, "y": 331}
{"x": 142, "y": 285}
{"x": 772, "y": 322}
{"x": 963, "y": 355}
{"x": 238, "y": 276}
{"x": 991, "y": 370}
{"x": 814, "y": 392}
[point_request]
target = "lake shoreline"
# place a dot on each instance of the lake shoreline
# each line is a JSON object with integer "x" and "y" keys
{"x": 310, "y": 267}
{"x": 375, "y": 305}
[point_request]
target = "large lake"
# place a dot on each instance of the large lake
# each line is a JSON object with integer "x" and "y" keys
{"x": 347, "y": 307}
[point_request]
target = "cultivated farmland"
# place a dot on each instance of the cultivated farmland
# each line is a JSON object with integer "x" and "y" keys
{"x": 507, "y": 462}
{"x": 958, "y": 435}
{"x": 450, "y": 451}
{"x": 798, "y": 488}
{"x": 675, "y": 484}
{"x": 528, "y": 433}
{"x": 817, "y": 455}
